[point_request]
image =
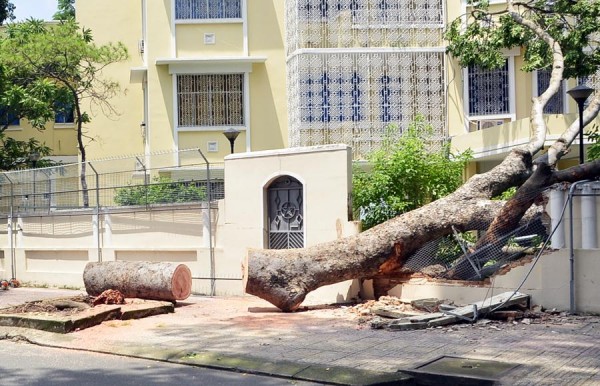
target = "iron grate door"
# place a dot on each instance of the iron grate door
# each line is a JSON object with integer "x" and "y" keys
{"x": 286, "y": 213}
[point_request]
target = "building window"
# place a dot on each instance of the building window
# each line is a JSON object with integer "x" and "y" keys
{"x": 590, "y": 81}
{"x": 328, "y": 99}
{"x": 556, "y": 104}
{"x": 210, "y": 100}
{"x": 207, "y": 9}
{"x": 63, "y": 113}
{"x": 8, "y": 118}
{"x": 489, "y": 90}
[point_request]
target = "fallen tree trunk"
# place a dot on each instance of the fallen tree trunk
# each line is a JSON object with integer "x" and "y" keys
{"x": 142, "y": 279}
{"x": 285, "y": 277}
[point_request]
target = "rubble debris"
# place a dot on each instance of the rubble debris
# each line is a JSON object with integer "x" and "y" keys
{"x": 508, "y": 315}
{"x": 444, "y": 316}
{"x": 392, "y": 312}
{"x": 429, "y": 305}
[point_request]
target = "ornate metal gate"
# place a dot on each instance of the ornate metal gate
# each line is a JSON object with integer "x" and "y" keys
{"x": 285, "y": 213}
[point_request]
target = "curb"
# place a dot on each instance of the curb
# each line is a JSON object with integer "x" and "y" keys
{"x": 333, "y": 375}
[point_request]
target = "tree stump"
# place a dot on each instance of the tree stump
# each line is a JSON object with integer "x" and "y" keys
{"x": 139, "y": 279}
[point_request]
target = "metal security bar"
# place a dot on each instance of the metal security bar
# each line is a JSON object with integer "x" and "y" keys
{"x": 207, "y": 9}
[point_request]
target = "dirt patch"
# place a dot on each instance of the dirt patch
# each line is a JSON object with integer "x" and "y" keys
{"x": 59, "y": 306}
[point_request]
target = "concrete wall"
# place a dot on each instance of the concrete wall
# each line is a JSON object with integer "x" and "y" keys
{"x": 326, "y": 200}
{"x": 53, "y": 250}
{"x": 547, "y": 281}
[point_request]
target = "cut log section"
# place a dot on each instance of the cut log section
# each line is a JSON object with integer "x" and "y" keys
{"x": 139, "y": 279}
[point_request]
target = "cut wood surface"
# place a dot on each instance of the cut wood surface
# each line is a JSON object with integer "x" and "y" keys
{"x": 139, "y": 279}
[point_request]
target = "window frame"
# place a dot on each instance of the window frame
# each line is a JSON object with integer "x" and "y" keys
{"x": 511, "y": 114}
{"x": 562, "y": 91}
{"x": 68, "y": 110}
{"x": 217, "y": 127}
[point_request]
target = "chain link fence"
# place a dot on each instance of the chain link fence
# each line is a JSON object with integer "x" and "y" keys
{"x": 149, "y": 181}
{"x": 460, "y": 255}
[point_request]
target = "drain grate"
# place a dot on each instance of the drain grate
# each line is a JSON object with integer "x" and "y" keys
{"x": 462, "y": 371}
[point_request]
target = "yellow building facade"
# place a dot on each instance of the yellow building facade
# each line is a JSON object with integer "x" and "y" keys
{"x": 303, "y": 72}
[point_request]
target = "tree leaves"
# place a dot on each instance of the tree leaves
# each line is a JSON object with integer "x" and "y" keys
{"x": 411, "y": 170}
{"x": 491, "y": 28}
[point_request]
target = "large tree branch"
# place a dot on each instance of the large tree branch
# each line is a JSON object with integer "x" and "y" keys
{"x": 538, "y": 125}
{"x": 587, "y": 171}
{"x": 285, "y": 277}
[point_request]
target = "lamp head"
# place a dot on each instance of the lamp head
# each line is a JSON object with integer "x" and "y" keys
{"x": 580, "y": 93}
{"x": 231, "y": 134}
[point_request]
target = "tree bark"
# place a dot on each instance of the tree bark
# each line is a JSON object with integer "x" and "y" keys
{"x": 145, "y": 280}
{"x": 285, "y": 277}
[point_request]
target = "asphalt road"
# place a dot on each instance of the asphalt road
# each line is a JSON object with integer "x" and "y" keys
{"x": 26, "y": 364}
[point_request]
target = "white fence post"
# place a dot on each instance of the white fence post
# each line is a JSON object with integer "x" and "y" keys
{"x": 588, "y": 218}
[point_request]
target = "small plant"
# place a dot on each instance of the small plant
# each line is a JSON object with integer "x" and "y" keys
{"x": 449, "y": 248}
{"x": 162, "y": 190}
{"x": 593, "y": 151}
{"x": 412, "y": 168}
{"x": 69, "y": 287}
{"x": 507, "y": 194}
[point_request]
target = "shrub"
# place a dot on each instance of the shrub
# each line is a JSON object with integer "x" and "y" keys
{"x": 405, "y": 174}
{"x": 161, "y": 191}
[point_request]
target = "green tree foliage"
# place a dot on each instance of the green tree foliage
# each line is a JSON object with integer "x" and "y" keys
{"x": 405, "y": 174}
{"x": 593, "y": 151}
{"x": 161, "y": 191}
{"x": 7, "y": 11}
{"x": 66, "y": 10}
{"x": 572, "y": 24}
{"x": 16, "y": 154}
{"x": 60, "y": 63}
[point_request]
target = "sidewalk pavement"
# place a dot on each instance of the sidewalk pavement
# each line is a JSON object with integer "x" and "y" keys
{"x": 328, "y": 344}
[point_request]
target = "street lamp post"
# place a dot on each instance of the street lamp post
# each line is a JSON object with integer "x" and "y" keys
{"x": 231, "y": 134}
{"x": 580, "y": 94}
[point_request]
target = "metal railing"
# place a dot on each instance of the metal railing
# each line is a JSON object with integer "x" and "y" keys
{"x": 149, "y": 181}
{"x": 180, "y": 181}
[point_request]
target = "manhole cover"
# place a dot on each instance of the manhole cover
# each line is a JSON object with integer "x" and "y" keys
{"x": 465, "y": 371}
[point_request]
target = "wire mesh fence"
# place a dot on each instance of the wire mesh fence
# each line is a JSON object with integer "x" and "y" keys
{"x": 462, "y": 255}
{"x": 150, "y": 181}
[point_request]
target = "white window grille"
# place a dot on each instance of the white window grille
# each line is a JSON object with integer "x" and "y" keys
{"x": 364, "y": 23}
{"x": 353, "y": 97}
{"x": 210, "y": 100}
{"x": 357, "y": 67}
{"x": 207, "y": 9}
{"x": 404, "y": 12}
{"x": 556, "y": 104}
{"x": 331, "y": 97}
{"x": 489, "y": 90}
